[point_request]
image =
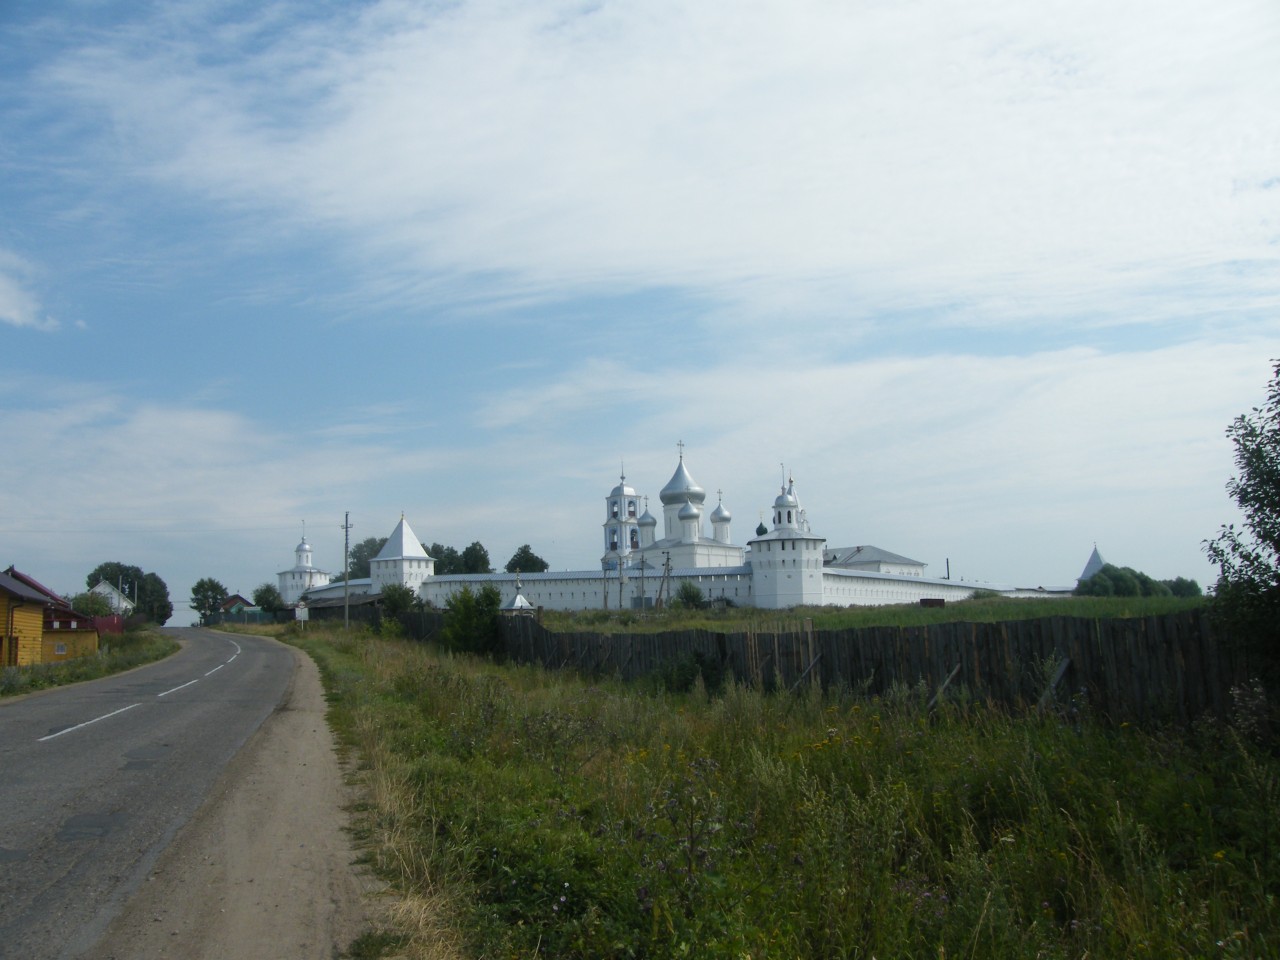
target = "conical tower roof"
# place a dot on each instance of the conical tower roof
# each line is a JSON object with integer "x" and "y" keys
{"x": 1095, "y": 564}
{"x": 402, "y": 543}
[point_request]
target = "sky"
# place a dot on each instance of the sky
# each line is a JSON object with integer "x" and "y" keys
{"x": 989, "y": 280}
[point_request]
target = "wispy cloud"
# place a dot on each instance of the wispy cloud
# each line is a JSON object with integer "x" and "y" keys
{"x": 19, "y": 305}
{"x": 1012, "y": 163}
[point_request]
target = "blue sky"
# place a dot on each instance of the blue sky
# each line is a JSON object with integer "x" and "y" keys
{"x": 990, "y": 279}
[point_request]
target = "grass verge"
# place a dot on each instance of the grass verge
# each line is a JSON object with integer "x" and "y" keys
{"x": 118, "y": 652}
{"x": 525, "y": 813}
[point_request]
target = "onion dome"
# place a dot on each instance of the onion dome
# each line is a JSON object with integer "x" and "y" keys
{"x": 721, "y": 514}
{"x": 761, "y": 529}
{"x": 787, "y": 498}
{"x": 690, "y": 511}
{"x": 647, "y": 519}
{"x": 303, "y": 547}
{"x": 682, "y": 488}
{"x": 623, "y": 489}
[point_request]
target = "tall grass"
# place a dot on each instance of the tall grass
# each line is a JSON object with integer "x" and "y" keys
{"x": 117, "y": 652}
{"x": 988, "y": 609}
{"x": 541, "y": 815}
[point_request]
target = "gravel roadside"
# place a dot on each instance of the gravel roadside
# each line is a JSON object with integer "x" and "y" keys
{"x": 265, "y": 869}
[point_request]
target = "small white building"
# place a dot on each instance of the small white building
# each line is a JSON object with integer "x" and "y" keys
{"x": 120, "y": 604}
{"x": 302, "y": 576}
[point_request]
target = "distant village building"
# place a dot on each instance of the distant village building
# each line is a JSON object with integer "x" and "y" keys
{"x": 784, "y": 565}
{"x": 120, "y": 605}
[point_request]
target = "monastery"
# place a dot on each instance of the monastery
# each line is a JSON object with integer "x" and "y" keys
{"x": 783, "y": 565}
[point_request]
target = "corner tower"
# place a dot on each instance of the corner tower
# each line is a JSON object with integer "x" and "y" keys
{"x": 786, "y": 562}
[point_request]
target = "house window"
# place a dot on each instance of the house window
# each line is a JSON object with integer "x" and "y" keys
{"x": 60, "y": 649}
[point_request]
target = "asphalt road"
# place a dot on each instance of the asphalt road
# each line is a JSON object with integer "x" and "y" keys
{"x": 96, "y": 778}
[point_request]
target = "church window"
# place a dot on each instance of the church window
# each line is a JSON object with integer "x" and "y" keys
{"x": 788, "y": 516}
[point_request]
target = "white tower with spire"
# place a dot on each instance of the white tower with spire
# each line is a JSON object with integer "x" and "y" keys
{"x": 302, "y": 576}
{"x": 786, "y": 562}
{"x": 401, "y": 560}
{"x": 621, "y": 524}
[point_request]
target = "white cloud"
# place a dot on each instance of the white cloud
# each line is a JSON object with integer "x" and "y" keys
{"x": 1008, "y": 161}
{"x": 19, "y": 306}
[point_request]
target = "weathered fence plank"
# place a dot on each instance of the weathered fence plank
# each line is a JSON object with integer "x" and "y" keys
{"x": 1154, "y": 668}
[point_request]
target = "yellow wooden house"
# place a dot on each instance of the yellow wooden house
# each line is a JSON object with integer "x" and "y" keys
{"x": 38, "y": 626}
{"x": 21, "y": 623}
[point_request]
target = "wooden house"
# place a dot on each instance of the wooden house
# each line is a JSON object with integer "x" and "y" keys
{"x": 62, "y": 634}
{"x": 21, "y": 623}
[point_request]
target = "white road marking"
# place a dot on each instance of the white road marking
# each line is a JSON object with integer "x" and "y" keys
{"x": 87, "y": 722}
{"x": 132, "y": 705}
{"x": 178, "y": 687}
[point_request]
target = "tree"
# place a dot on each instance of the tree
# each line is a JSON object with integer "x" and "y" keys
{"x": 447, "y": 559}
{"x": 1182, "y": 587}
{"x": 475, "y": 559}
{"x": 360, "y": 556}
{"x": 397, "y": 599}
{"x": 1113, "y": 581}
{"x": 1247, "y": 595}
{"x": 267, "y": 596}
{"x": 149, "y": 593}
{"x": 91, "y": 604}
{"x": 206, "y": 597}
{"x": 124, "y": 577}
{"x": 153, "y": 599}
{"x": 525, "y": 560}
{"x": 689, "y": 595}
{"x": 471, "y": 621}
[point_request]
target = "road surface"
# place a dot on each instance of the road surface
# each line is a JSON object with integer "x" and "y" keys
{"x": 108, "y": 846}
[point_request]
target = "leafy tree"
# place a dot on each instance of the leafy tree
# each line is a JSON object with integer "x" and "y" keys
{"x": 689, "y": 595}
{"x": 1247, "y": 595}
{"x": 153, "y": 599}
{"x": 206, "y": 597}
{"x": 123, "y": 576}
{"x": 149, "y": 593}
{"x": 397, "y": 599}
{"x": 359, "y": 558}
{"x": 267, "y": 596}
{"x": 1182, "y": 587}
{"x": 525, "y": 560}
{"x": 475, "y": 559}
{"x": 471, "y": 621}
{"x": 91, "y": 604}
{"x": 1113, "y": 581}
{"x": 447, "y": 559}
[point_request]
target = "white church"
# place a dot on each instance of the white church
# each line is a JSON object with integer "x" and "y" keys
{"x": 783, "y": 565}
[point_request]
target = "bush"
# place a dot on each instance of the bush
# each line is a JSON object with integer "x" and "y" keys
{"x": 471, "y": 621}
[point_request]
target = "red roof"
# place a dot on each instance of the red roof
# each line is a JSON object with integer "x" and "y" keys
{"x": 53, "y": 598}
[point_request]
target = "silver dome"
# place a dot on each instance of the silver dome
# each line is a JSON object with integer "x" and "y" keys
{"x": 681, "y": 487}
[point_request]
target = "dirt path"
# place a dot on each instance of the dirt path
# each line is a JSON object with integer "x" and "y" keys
{"x": 264, "y": 869}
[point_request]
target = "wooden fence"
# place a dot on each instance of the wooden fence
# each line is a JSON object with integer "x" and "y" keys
{"x": 1149, "y": 668}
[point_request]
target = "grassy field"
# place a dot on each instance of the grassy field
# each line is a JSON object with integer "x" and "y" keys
{"x": 523, "y": 813}
{"x": 983, "y": 609}
{"x": 118, "y": 652}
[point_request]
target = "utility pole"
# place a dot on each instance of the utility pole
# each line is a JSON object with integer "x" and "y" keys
{"x": 346, "y": 571}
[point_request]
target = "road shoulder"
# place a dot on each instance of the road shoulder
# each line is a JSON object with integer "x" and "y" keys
{"x": 265, "y": 869}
